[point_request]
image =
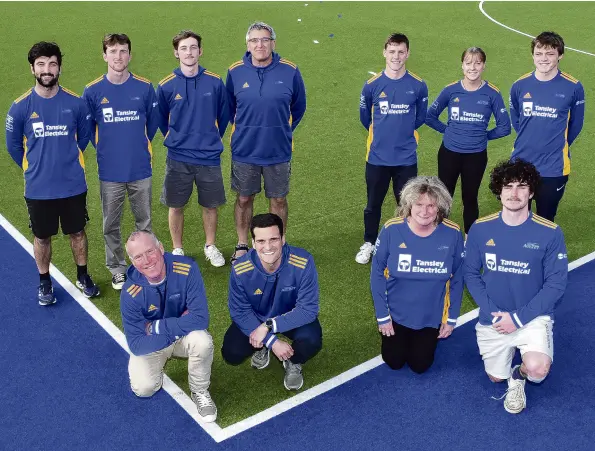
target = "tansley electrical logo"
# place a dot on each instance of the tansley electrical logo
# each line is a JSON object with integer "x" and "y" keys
{"x": 120, "y": 116}
{"x": 502, "y": 265}
{"x": 45, "y": 131}
{"x": 393, "y": 108}
{"x": 407, "y": 264}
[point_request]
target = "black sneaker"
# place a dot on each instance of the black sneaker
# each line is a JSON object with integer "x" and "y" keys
{"x": 86, "y": 285}
{"x": 118, "y": 281}
{"x": 45, "y": 294}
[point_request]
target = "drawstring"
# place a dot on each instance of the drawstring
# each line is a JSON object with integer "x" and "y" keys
{"x": 261, "y": 78}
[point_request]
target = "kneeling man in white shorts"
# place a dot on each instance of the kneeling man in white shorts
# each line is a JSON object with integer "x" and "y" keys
{"x": 516, "y": 269}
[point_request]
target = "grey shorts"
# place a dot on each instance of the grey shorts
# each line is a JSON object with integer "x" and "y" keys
{"x": 179, "y": 178}
{"x": 245, "y": 179}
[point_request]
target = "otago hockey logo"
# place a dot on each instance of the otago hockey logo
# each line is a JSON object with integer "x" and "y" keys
{"x": 527, "y": 109}
{"x": 454, "y": 113}
{"x": 404, "y": 264}
{"x": 491, "y": 261}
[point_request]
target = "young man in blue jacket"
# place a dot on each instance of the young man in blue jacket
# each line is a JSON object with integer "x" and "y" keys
{"x": 47, "y": 130}
{"x": 547, "y": 108}
{"x": 124, "y": 116}
{"x": 273, "y": 289}
{"x": 393, "y": 105}
{"x": 267, "y": 100}
{"x": 515, "y": 268}
{"x": 194, "y": 116}
{"x": 165, "y": 314}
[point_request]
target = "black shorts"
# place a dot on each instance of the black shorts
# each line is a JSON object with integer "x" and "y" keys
{"x": 46, "y": 214}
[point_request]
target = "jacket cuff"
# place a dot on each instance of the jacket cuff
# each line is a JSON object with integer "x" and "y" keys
{"x": 269, "y": 340}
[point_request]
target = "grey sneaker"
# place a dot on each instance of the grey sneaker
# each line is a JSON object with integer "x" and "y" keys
{"x": 293, "y": 379}
{"x": 515, "y": 400}
{"x": 205, "y": 405}
{"x": 261, "y": 358}
{"x": 45, "y": 294}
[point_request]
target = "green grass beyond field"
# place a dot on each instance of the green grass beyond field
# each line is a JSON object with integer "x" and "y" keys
{"x": 328, "y": 191}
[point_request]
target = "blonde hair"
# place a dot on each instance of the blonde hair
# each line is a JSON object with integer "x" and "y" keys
{"x": 420, "y": 185}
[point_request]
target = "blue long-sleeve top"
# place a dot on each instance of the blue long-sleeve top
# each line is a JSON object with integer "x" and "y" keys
{"x": 46, "y": 138}
{"x": 193, "y": 116}
{"x": 469, "y": 113}
{"x": 289, "y": 296}
{"x": 392, "y": 111}
{"x": 520, "y": 269}
{"x": 124, "y": 119}
{"x": 266, "y": 106}
{"x": 547, "y": 117}
{"x": 417, "y": 281}
{"x": 175, "y": 307}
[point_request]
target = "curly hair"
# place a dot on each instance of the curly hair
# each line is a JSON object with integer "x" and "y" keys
{"x": 420, "y": 185}
{"x": 516, "y": 170}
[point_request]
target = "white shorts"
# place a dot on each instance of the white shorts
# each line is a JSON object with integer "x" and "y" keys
{"x": 497, "y": 350}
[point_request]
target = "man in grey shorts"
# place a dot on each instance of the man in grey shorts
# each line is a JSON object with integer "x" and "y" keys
{"x": 267, "y": 100}
{"x": 194, "y": 115}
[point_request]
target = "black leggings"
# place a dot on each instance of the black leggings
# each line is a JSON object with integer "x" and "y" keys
{"x": 411, "y": 346}
{"x": 470, "y": 166}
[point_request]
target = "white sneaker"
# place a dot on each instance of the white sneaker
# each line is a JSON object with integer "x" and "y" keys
{"x": 364, "y": 254}
{"x": 178, "y": 251}
{"x": 515, "y": 400}
{"x": 205, "y": 405}
{"x": 214, "y": 256}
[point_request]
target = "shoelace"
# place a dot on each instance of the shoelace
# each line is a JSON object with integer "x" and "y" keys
{"x": 515, "y": 391}
{"x": 203, "y": 399}
{"x": 294, "y": 368}
{"x": 261, "y": 353}
{"x": 120, "y": 278}
{"x": 366, "y": 247}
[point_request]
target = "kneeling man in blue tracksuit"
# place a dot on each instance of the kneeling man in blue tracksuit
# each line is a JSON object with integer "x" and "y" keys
{"x": 273, "y": 289}
{"x": 165, "y": 314}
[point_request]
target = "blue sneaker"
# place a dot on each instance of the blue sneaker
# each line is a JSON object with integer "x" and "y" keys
{"x": 86, "y": 285}
{"x": 45, "y": 294}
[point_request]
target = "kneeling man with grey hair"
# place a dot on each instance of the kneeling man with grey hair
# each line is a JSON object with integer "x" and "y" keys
{"x": 165, "y": 314}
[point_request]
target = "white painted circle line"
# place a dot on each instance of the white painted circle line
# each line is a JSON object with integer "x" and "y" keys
{"x": 520, "y": 32}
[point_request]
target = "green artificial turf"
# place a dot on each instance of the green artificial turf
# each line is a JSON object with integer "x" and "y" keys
{"x": 327, "y": 186}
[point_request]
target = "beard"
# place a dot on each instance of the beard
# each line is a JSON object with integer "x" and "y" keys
{"x": 47, "y": 84}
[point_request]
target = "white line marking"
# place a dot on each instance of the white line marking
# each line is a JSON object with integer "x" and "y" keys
{"x": 520, "y": 32}
{"x": 372, "y": 73}
{"x": 215, "y": 431}
{"x": 168, "y": 385}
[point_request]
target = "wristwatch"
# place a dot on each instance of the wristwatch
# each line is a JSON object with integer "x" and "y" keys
{"x": 269, "y": 324}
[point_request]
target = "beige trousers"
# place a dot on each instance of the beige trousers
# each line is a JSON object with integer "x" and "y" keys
{"x": 146, "y": 371}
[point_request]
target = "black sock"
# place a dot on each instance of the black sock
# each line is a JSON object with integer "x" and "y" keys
{"x": 45, "y": 277}
{"x": 518, "y": 374}
{"x": 81, "y": 271}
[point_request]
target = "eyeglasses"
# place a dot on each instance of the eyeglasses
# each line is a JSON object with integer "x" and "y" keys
{"x": 148, "y": 254}
{"x": 263, "y": 40}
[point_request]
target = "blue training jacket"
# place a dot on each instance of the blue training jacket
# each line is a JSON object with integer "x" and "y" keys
{"x": 193, "y": 116}
{"x": 289, "y": 296}
{"x": 176, "y": 307}
{"x": 266, "y": 105}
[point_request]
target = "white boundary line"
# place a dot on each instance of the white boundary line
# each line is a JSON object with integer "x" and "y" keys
{"x": 215, "y": 431}
{"x": 520, "y": 32}
{"x": 168, "y": 385}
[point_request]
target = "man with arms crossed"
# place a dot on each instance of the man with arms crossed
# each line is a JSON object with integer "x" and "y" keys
{"x": 547, "y": 108}
{"x": 268, "y": 100}
{"x": 393, "y": 106}
{"x": 194, "y": 116}
{"x": 516, "y": 269}
{"x": 47, "y": 129}
{"x": 165, "y": 314}
{"x": 124, "y": 112}
{"x": 273, "y": 289}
